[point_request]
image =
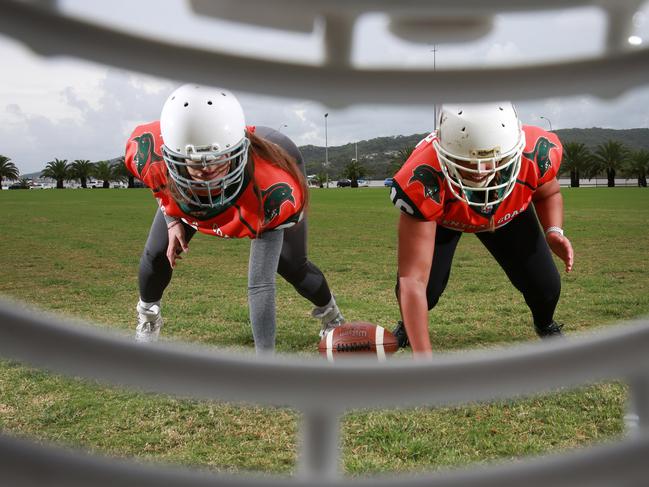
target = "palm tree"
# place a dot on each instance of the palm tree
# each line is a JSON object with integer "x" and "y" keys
{"x": 8, "y": 169}
{"x": 400, "y": 158}
{"x": 58, "y": 169}
{"x": 24, "y": 183}
{"x": 610, "y": 157}
{"x": 104, "y": 170}
{"x": 576, "y": 158}
{"x": 354, "y": 171}
{"x": 638, "y": 166}
{"x": 121, "y": 173}
{"x": 320, "y": 179}
{"x": 81, "y": 169}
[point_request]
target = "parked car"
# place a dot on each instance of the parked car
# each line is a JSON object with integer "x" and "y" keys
{"x": 342, "y": 183}
{"x": 363, "y": 183}
{"x": 387, "y": 183}
{"x": 18, "y": 186}
{"x": 40, "y": 186}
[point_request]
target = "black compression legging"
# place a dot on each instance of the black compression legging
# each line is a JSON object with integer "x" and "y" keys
{"x": 520, "y": 249}
{"x": 155, "y": 272}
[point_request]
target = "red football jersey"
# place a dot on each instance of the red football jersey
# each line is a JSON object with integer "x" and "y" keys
{"x": 421, "y": 190}
{"x": 245, "y": 216}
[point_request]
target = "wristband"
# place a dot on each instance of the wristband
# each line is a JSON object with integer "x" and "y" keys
{"x": 172, "y": 224}
{"x": 558, "y": 230}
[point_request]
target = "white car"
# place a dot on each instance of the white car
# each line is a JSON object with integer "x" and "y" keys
{"x": 363, "y": 183}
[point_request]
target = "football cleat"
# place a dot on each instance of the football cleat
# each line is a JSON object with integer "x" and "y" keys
{"x": 400, "y": 334}
{"x": 329, "y": 315}
{"x": 549, "y": 331}
{"x": 149, "y": 323}
{"x": 632, "y": 423}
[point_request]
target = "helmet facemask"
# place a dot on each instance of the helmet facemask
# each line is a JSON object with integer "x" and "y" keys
{"x": 209, "y": 193}
{"x": 499, "y": 171}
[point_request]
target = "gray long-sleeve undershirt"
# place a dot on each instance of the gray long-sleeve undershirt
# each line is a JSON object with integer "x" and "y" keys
{"x": 262, "y": 268}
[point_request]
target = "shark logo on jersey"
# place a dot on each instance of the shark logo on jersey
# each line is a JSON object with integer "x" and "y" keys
{"x": 145, "y": 151}
{"x": 429, "y": 179}
{"x": 274, "y": 197}
{"x": 541, "y": 154}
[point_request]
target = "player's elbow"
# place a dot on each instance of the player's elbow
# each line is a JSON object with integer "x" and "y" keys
{"x": 413, "y": 285}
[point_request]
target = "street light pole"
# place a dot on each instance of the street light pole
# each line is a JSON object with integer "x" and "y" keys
{"x": 326, "y": 152}
{"x": 434, "y": 50}
{"x": 548, "y": 120}
{"x": 279, "y": 129}
{"x": 434, "y": 70}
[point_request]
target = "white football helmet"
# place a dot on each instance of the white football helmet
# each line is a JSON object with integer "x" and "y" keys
{"x": 204, "y": 127}
{"x": 479, "y": 147}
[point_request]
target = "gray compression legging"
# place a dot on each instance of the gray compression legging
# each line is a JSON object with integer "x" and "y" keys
{"x": 281, "y": 251}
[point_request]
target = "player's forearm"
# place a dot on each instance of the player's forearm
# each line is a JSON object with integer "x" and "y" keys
{"x": 414, "y": 311}
{"x": 548, "y": 203}
{"x": 550, "y": 211}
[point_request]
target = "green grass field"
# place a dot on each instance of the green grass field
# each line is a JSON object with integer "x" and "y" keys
{"x": 76, "y": 252}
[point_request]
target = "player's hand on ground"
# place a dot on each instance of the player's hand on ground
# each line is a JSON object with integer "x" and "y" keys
{"x": 562, "y": 248}
{"x": 177, "y": 244}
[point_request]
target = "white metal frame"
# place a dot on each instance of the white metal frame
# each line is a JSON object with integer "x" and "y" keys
{"x": 323, "y": 391}
{"x": 309, "y": 386}
{"x": 335, "y": 82}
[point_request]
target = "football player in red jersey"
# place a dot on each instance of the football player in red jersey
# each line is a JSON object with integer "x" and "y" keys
{"x": 212, "y": 173}
{"x": 478, "y": 173}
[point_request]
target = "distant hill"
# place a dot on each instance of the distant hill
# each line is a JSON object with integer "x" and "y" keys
{"x": 31, "y": 175}
{"x": 376, "y": 154}
{"x": 633, "y": 138}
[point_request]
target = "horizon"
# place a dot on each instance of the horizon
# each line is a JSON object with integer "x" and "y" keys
{"x": 330, "y": 147}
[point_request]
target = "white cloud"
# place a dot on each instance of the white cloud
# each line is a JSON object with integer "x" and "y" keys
{"x": 300, "y": 113}
{"x": 70, "y": 109}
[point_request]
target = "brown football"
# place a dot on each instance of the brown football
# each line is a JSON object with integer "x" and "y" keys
{"x": 355, "y": 338}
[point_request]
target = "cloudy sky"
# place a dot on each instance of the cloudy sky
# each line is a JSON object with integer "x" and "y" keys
{"x": 72, "y": 109}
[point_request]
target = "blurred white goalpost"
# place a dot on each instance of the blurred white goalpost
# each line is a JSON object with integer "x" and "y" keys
{"x": 619, "y": 353}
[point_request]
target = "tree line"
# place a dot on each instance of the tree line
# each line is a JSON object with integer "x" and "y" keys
{"x": 382, "y": 156}
{"x": 611, "y": 159}
{"x": 81, "y": 170}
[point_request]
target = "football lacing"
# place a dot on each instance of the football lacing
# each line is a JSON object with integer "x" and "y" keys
{"x": 353, "y": 347}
